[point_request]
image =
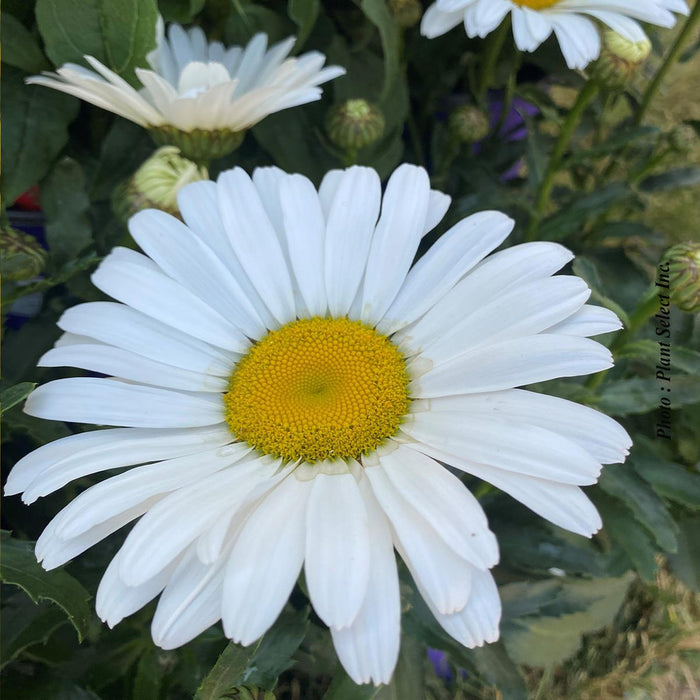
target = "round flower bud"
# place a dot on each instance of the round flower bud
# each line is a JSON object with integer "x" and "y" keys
{"x": 406, "y": 13}
{"x": 354, "y": 124}
{"x": 619, "y": 60}
{"x": 683, "y": 262}
{"x": 468, "y": 124}
{"x": 682, "y": 138}
{"x": 156, "y": 183}
{"x": 21, "y": 256}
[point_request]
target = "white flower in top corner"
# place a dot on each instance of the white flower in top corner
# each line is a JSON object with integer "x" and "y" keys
{"x": 196, "y": 86}
{"x": 572, "y": 21}
{"x": 286, "y": 387}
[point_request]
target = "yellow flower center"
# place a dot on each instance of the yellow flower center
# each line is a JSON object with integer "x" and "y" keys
{"x": 536, "y": 4}
{"x": 318, "y": 389}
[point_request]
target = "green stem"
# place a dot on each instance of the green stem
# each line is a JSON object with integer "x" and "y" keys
{"x": 671, "y": 58}
{"x": 491, "y": 54}
{"x": 567, "y": 131}
{"x": 509, "y": 93}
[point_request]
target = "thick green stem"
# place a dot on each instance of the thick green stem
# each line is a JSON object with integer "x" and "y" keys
{"x": 671, "y": 58}
{"x": 491, "y": 54}
{"x": 567, "y": 131}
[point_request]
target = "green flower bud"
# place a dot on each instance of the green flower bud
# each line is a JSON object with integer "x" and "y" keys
{"x": 469, "y": 124}
{"x": 619, "y": 60}
{"x": 156, "y": 183}
{"x": 354, "y": 124}
{"x": 249, "y": 692}
{"x": 406, "y": 13}
{"x": 684, "y": 275}
{"x": 683, "y": 138}
{"x": 21, "y": 256}
{"x": 199, "y": 145}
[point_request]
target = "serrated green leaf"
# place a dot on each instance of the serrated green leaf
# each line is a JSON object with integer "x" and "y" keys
{"x": 622, "y": 529}
{"x": 24, "y": 624}
{"x": 19, "y": 48}
{"x": 118, "y": 33}
{"x": 670, "y": 480}
{"x": 274, "y": 655}
{"x": 228, "y": 672}
{"x": 15, "y": 394}
{"x": 66, "y": 205}
{"x": 543, "y": 640}
{"x": 628, "y": 397}
{"x": 18, "y": 566}
{"x": 649, "y": 510}
{"x": 33, "y": 132}
{"x": 671, "y": 180}
{"x": 304, "y": 13}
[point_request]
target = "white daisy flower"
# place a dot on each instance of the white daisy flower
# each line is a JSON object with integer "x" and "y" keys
{"x": 572, "y": 21}
{"x": 199, "y": 95}
{"x": 291, "y": 388}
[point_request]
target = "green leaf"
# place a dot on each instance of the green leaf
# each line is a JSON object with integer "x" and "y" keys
{"x": 671, "y": 180}
{"x": 628, "y": 397}
{"x": 588, "y": 271}
{"x": 670, "y": 480}
{"x": 228, "y": 672}
{"x": 543, "y": 640}
{"x": 570, "y": 219}
{"x": 622, "y": 529}
{"x": 274, "y": 655}
{"x": 149, "y": 677}
{"x": 378, "y": 13}
{"x": 494, "y": 664}
{"x": 304, "y": 13}
{"x": 33, "y": 132}
{"x": 344, "y": 688}
{"x": 25, "y": 624}
{"x": 408, "y": 681}
{"x": 617, "y": 141}
{"x": 19, "y": 48}
{"x": 181, "y": 11}
{"x": 66, "y": 205}
{"x": 15, "y": 394}
{"x": 649, "y": 510}
{"x": 19, "y": 567}
{"x": 686, "y": 562}
{"x": 119, "y": 33}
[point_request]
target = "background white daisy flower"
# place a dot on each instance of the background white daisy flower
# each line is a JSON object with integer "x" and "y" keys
{"x": 572, "y": 21}
{"x": 195, "y": 85}
{"x": 286, "y": 388}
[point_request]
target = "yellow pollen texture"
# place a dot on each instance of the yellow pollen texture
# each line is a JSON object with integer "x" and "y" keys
{"x": 536, "y": 4}
{"x": 318, "y": 389}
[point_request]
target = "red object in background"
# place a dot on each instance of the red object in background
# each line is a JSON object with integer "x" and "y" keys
{"x": 29, "y": 201}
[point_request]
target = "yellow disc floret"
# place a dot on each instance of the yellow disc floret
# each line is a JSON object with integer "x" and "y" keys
{"x": 318, "y": 389}
{"x": 536, "y": 4}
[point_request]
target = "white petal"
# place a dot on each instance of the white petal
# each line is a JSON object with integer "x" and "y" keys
{"x": 337, "y": 549}
{"x": 265, "y": 562}
{"x": 588, "y": 321}
{"x": 111, "y": 402}
{"x": 442, "y": 574}
{"x": 506, "y": 444}
{"x": 350, "y": 227}
{"x": 369, "y": 647}
{"x": 444, "y": 502}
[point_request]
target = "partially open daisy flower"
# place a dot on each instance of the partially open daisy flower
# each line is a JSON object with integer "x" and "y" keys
{"x": 292, "y": 387}
{"x": 572, "y": 21}
{"x": 200, "y": 96}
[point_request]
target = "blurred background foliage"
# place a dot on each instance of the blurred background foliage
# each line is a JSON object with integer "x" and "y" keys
{"x": 582, "y": 619}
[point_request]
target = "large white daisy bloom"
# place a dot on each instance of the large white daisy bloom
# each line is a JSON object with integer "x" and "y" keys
{"x": 196, "y": 86}
{"x": 291, "y": 388}
{"x": 572, "y": 21}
